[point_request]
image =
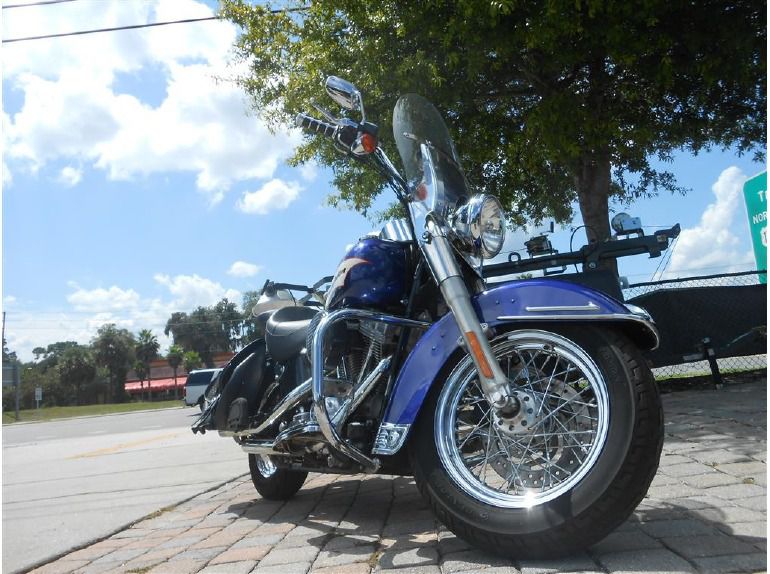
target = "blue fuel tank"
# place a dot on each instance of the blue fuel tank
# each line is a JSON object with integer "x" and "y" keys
{"x": 374, "y": 274}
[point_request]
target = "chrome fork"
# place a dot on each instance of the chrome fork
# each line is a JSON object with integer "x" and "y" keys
{"x": 441, "y": 260}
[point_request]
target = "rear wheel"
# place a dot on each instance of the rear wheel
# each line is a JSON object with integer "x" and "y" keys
{"x": 272, "y": 482}
{"x": 562, "y": 471}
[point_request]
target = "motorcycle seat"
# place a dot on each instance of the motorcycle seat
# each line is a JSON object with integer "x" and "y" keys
{"x": 286, "y": 331}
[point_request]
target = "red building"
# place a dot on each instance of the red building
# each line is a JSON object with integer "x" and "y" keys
{"x": 162, "y": 383}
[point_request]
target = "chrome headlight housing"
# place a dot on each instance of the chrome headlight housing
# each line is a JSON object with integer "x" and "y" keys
{"x": 479, "y": 225}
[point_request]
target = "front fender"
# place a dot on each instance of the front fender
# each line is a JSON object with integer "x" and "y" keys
{"x": 531, "y": 300}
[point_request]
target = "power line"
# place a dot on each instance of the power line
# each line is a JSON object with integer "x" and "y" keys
{"x": 118, "y": 28}
{"x": 115, "y": 29}
{"x": 41, "y": 3}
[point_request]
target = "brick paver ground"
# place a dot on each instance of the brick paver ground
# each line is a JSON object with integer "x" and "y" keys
{"x": 706, "y": 512}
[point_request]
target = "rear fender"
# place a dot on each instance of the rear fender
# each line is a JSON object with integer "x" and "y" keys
{"x": 546, "y": 301}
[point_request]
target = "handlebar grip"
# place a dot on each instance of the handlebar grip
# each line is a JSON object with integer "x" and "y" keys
{"x": 311, "y": 124}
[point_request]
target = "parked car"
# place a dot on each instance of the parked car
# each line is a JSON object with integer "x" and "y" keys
{"x": 196, "y": 384}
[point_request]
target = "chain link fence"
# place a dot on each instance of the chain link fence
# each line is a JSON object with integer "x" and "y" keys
{"x": 723, "y": 316}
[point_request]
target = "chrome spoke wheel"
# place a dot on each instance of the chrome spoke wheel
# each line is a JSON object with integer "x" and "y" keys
{"x": 547, "y": 445}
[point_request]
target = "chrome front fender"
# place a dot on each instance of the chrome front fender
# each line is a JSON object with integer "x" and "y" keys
{"x": 529, "y": 301}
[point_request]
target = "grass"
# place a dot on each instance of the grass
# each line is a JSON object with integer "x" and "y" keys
{"x": 51, "y": 413}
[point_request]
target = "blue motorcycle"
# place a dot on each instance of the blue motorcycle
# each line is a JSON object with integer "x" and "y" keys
{"x": 525, "y": 411}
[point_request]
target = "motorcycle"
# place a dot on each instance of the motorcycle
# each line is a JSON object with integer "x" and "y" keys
{"x": 525, "y": 410}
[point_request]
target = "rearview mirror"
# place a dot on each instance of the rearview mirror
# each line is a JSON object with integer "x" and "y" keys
{"x": 345, "y": 94}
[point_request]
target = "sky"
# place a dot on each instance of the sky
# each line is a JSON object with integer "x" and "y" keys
{"x": 137, "y": 181}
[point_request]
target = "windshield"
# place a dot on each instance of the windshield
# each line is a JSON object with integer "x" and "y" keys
{"x": 430, "y": 160}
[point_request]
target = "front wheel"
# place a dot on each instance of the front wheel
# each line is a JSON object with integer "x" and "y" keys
{"x": 272, "y": 482}
{"x": 562, "y": 470}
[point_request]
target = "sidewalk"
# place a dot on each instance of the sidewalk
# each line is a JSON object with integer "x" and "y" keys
{"x": 706, "y": 512}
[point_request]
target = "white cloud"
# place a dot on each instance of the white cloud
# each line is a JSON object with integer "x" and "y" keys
{"x": 7, "y": 175}
{"x": 243, "y": 269}
{"x": 309, "y": 171}
{"x": 273, "y": 195}
{"x": 712, "y": 244}
{"x": 103, "y": 300}
{"x": 92, "y": 308}
{"x": 73, "y": 108}
{"x": 190, "y": 291}
{"x": 70, "y": 176}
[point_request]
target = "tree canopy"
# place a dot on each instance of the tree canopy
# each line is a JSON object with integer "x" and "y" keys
{"x": 77, "y": 368}
{"x": 207, "y": 330}
{"x": 114, "y": 350}
{"x": 548, "y": 101}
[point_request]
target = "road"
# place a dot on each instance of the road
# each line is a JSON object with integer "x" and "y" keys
{"x": 68, "y": 483}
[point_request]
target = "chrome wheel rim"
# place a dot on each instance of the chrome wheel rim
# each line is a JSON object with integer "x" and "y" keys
{"x": 265, "y": 466}
{"x": 546, "y": 448}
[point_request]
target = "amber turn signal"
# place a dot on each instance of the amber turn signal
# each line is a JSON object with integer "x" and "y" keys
{"x": 368, "y": 142}
{"x": 478, "y": 354}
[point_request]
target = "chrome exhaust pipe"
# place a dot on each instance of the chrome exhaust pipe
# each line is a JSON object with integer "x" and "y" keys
{"x": 289, "y": 402}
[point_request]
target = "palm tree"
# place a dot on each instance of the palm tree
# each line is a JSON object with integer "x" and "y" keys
{"x": 146, "y": 351}
{"x": 192, "y": 360}
{"x": 141, "y": 373}
{"x": 174, "y": 358}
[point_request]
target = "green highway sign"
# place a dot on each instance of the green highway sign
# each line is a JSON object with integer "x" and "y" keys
{"x": 755, "y": 194}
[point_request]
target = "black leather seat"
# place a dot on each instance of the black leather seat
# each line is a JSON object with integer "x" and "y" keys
{"x": 286, "y": 331}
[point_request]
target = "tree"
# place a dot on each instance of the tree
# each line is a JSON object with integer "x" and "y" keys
{"x": 114, "y": 350}
{"x": 76, "y": 369}
{"x": 207, "y": 330}
{"x": 8, "y": 356}
{"x": 548, "y": 101}
{"x": 192, "y": 361}
{"x": 174, "y": 357}
{"x": 49, "y": 357}
{"x": 251, "y": 329}
{"x": 147, "y": 347}
{"x": 141, "y": 371}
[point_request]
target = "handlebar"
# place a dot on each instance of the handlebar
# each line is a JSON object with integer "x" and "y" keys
{"x": 311, "y": 124}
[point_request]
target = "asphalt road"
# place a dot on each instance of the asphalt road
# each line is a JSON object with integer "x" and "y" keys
{"x": 72, "y": 482}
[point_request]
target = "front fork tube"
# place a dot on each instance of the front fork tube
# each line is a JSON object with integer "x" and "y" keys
{"x": 442, "y": 262}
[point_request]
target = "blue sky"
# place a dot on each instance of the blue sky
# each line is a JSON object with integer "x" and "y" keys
{"x": 135, "y": 185}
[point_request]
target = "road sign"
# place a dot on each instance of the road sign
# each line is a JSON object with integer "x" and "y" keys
{"x": 755, "y": 194}
{"x": 38, "y": 393}
{"x": 10, "y": 374}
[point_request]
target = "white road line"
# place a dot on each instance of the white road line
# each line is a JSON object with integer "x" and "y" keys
{"x": 96, "y": 432}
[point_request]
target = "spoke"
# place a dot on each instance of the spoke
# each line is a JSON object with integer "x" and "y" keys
{"x": 508, "y": 482}
{"x": 486, "y": 462}
{"x": 558, "y": 409}
{"x": 565, "y": 433}
{"x": 526, "y": 450}
{"x": 475, "y": 429}
{"x": 548, "y": 386}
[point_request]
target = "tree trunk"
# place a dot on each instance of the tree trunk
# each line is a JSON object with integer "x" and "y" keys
{"x": 593, "y": 187}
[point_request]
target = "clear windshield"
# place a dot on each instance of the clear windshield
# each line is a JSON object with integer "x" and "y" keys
{"x": 430, "y": 160}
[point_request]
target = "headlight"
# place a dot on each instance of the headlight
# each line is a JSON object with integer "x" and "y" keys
{"x": 480, "y": 226}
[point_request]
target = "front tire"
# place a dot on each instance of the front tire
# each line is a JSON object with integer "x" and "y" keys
{"x": 272, "y": 482}
{"x": 564, "y": 470}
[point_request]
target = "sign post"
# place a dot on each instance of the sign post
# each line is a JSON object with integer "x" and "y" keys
{"x": 38, "y": 396}
{"x": 755, "y": 194}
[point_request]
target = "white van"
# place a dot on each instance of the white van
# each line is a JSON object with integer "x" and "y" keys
{"x": 196, "y": 384}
